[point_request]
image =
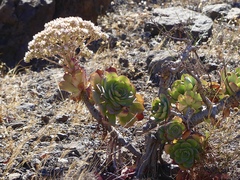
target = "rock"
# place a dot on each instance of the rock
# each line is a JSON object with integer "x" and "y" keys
{"x": 185, "y": 21}
{"x": 45, "y": 138}
{"x": 61, "y": 136}
{"x": 62, "y": 118}
{"x": 157, "y": 61}
{"x": 62, "y": 160}
{"x": 156, "y": 58}
{"x": 21, "y": 19}
{"x": 211, "y": 67}
{"x": 26, "y": 107}
{"x": 87, "y": 9}
{"x": 14, "y": 176}
{"x": 45, "y": 119}
{"x": 123, "y": 62}
{"x": 216, "y": 10}
{"x": 234, "y": 13}
{"x": 16, "y": 124}
{"x": 48, "y": 173}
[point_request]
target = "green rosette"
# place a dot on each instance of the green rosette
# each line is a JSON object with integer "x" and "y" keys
{"x": 189, "y": 99}
{"x": 186, "y": 83}
{"x": 231, "y": 81}
{"x": 160, "y": 108}
{"x": 185, "y": 152}
{"x": 116, "y": 97}
{"x": 172, "y": 131}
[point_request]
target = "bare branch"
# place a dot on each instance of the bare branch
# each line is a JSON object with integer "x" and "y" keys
{"x": 225, "y": 103}
{"x": 113, "y": 132}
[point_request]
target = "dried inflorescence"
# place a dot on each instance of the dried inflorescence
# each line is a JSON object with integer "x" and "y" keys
{"x": 62, "y": 37}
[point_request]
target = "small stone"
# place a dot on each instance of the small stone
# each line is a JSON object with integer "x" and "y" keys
{"x": 26, "y": 107}
{"x": 62, "y": 160}
{"x": 124, "y": 62}
{"x": 62, "y": 118}
{"x": 45, "y": 138}
{"x": 123, "y": 36}
{"x": 16, "y": 125}
{"x": 61, "y": 136}
{"x": 45, "y": 119}
{"x": 142, "y": 49}
{"x": 14, "y": 176}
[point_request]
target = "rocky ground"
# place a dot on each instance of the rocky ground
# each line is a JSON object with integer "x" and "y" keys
{"x": 44, "y": 135}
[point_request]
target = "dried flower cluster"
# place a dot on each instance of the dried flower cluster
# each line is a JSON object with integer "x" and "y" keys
{"x": 62, "y": 37}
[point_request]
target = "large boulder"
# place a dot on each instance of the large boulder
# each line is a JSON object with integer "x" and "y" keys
{"x": 21, "y": 19}
{"x": 181, "y": 22}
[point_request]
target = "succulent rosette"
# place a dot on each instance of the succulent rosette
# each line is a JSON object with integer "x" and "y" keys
{"x": 116, "y": 97}
{"x": 185, "y": 152}
{"x": 231, "y": 81}
{"x": 75, "y": 81}
{"x": 173, "y": 130}
{"x": 160, "y": 108}
{"x": 186, "y": 83}
{"x": 189, "y": 99}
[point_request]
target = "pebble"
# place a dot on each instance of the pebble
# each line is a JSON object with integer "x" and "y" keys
{"x": 26, "y": 107}
{"x": 14, "y": 176}
{"x": 62, "y": 136}
{"x": 62, "y": 118}
{"x": 16, "y": 125}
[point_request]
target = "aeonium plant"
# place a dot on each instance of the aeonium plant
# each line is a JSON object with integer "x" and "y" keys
{"x": 116, "y": 97}
{"x": 172, "y": 130}
{"x": 186, "y": 83}
{"x": 231, "y": 81}
{"x": 160, "y": 108}
{"x": 184, "y": 93}
{"x": 186, "y": 152}
{"x": 60, "y": 40}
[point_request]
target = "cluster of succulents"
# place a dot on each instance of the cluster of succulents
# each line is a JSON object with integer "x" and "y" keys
{"x": 116, "y": 97}
{"x": 231, "y": 81}
{"x": 160, "y": 108}
{"x": 186, "y": 152}
{"x": 172, "y": 130}
{"x": 186, "y": 83}
{"x": 190, "y": 99}
{"x": 184, "y": 93}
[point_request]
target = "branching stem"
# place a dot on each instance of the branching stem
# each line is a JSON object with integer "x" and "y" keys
{"x": 113, "y": 132}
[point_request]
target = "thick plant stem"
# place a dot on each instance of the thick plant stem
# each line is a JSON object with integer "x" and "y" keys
{"x": 148, "y": 162}
{"x": 225, "y": 103}
{"x": 200, "y": 116}
{"x": 113, "y": 132}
